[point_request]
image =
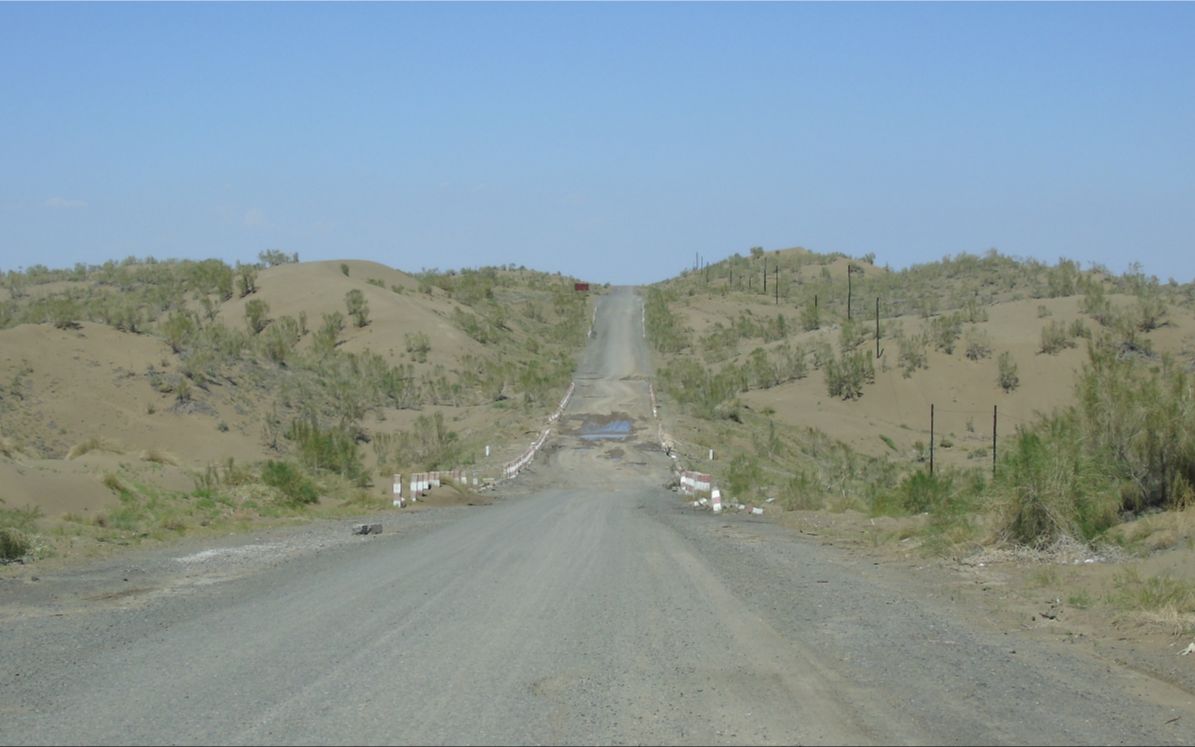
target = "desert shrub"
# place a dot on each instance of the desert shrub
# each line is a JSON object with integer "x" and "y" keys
{"x": 912, "y": 353}
{"x": 945, "y": 331}
{"x": 1052, "y": 488}
{"x": 1151, "y": 311}
{"x": 810, "y": 317}
{"x": 256, "y": 315}
{"x": 1043, "y": 311}
{"x": 790, "y": 362}
{"x": 357, "y": 306}
{"x": 846, "y": 375}
{"x": 1006, "y": 372}
{"x": 917, "y": 493}
{"x": 328, "y": 335}
{"x": 332, "y": 449}
{"x": 1136, "y": 419}
{"x": 1079, "y": 329}
{"x": 344, "y": 269}
{"x": 974, "y": 311}
{"x": 275, "y": 257}
{"x": 1055, "y": 338}
{"x": 802, "y": 492}
{"x": 290, "y": 481}
{"x": 851, "y": 335}
{"x": 418, "y": 345}
{"x": 246, "y": 280}
{"x": 1095, "y": 302}
{"x": 13, "y": 544}
{"x": 977, "y": 344}
{"x": 742, "y": 476}
{"x": 664, "y": 329}
{"x": 179, "y": 329}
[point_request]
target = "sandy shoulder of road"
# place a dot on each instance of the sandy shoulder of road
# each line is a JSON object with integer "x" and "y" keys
{"x": 1068, "y": 596}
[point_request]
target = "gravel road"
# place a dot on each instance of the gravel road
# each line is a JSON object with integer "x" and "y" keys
{"x": 586, "y": 604}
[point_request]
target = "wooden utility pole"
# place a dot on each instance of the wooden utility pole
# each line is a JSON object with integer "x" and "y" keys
{"x": 849, "y": 272}
{"x": 776, "y": 282}
{"x": 765, "y": 276}
{"x": 994, "y": 441}
{"x": 877, "y": 326}
{"x": 931, "y": 440}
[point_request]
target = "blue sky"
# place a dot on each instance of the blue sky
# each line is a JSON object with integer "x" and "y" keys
{"x": 612, "y": 141}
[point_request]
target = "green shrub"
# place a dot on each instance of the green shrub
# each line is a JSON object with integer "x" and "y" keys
{"x": 1052, "y": 488}
{"x": 1055, "y": 338}
{"x": 290, "y": 481}
{"x": 331, "y": 449}
{"x": 742, "y": 476}
{"x": 1006, "y": 372}
{"x": 256, "y": 315}
{"x": 13, "y": 544}
{"x": 945, "y": 331}
{"x": 358, "y": 307}
{"x": 810, "y": 317}
{"x": 978, "y": 345}
{"x": 179, "y": 329}
{"x": 846, "y": 375}
{"x": 418, "y": 345}
{"x": 246, "y": 280}
{"x": 912, "y": 353}
{"x": 328, "y": 335}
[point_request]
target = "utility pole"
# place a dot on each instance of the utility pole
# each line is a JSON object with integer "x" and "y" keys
{"x": 850, "y": 269}
{"x": 931, "y": 440}
{"x": 776, "y": 282}
{"x": 877, "y": 326}
{"x": 765, "y": 276}
{"x": 994, "y": 441}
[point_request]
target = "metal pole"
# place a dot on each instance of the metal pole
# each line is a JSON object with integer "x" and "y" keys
{"x": 877, "y": 326}
{"x": 776, "y": 282}
{"x": 765, "y": 276}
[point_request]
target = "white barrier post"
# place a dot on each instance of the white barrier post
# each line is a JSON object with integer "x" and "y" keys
{"x": 716, "y": 498}
{"x": 711, "y": 455}
{"x": 397, "y": 491}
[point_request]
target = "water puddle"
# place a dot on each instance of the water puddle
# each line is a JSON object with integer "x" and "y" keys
{"x": 612, "y": 430}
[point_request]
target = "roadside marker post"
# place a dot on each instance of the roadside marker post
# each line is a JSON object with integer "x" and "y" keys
{"x": 397, "y": 489}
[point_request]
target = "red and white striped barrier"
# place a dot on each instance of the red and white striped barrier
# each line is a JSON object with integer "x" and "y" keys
{"x": 511, "y": 469}
{"x": 421, "y": 482}
{"x": 695, "y": 482}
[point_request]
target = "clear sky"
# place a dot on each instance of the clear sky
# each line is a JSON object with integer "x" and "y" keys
{"x": 612, "y": 141}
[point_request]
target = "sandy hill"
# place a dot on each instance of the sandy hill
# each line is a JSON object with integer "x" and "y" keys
{"x": 1005, "y": 303}
{"x": 99, "y": 397}
{"x": 317, "y": 288}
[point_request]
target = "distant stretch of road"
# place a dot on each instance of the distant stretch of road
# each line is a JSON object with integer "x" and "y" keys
{"x": 587, "y": 605}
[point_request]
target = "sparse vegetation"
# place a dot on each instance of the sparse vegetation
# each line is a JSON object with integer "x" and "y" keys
{"x": 1006, "y": 372}
{"x": 357, "y": 306}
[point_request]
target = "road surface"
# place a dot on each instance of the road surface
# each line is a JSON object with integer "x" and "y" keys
{"x": 589, "y": 604}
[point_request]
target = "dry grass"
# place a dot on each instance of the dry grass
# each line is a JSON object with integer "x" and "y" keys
{"x": 9, "y": 448}
{"x": 158, "y": 456}
{"x": 1156, "y": 532}
{"x": 95, "y": 443}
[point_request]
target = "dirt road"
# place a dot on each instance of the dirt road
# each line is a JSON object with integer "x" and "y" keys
{"x": 588, "y": 604}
